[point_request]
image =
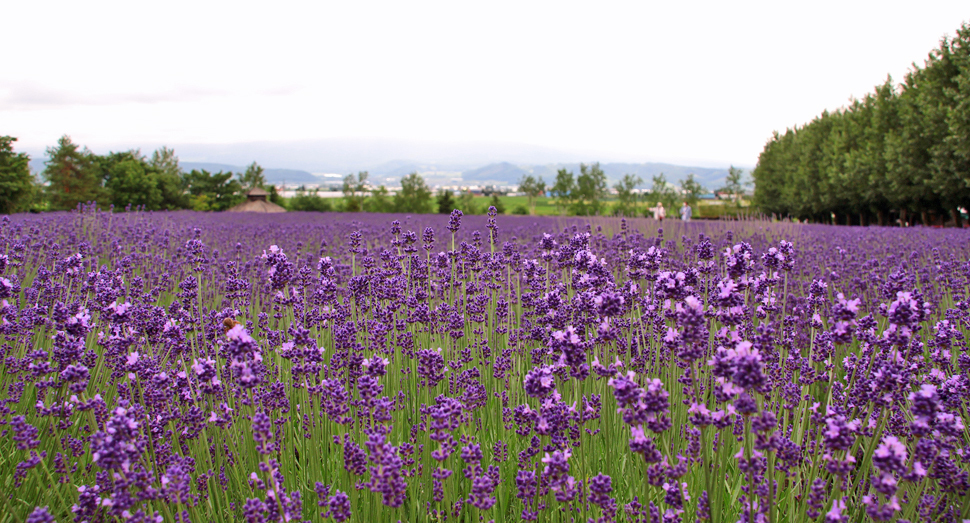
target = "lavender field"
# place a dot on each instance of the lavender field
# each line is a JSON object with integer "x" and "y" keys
{"x": 380, "y": 368}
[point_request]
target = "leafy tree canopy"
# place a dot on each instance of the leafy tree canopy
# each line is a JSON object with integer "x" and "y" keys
{"x": 414, "y": 196}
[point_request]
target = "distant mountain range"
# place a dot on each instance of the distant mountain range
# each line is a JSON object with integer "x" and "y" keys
{"x": 510, "y": 173}
{"x": 389, "y": 160}
{"x": 500, "y": 173}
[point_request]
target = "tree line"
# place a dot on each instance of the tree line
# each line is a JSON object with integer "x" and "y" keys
{"x": 74, "y": 175}
{"x": 901, "y": 153}
{"x": 587, "y": 193}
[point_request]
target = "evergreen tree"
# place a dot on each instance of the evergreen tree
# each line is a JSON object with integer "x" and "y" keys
{"x": 72, "y": 175}
{"x": 17, "y": 184}
{"x": 445, "y": 202}
{"x": 253, "y": 177}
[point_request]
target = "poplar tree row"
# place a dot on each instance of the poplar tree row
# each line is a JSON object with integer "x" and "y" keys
{"x": 900, "y": 154}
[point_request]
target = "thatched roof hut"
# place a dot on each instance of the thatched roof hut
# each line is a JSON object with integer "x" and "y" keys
{"x": 256, "y": 202}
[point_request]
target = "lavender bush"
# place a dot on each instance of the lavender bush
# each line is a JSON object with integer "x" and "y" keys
{"x": 206, "y": 367}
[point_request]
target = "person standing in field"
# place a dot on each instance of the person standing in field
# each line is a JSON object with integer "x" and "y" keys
{"x": 686, "y": 212}
{"x": 659, "y": 212}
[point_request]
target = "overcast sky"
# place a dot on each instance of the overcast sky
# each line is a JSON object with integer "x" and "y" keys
{"x": 685, "y": 82}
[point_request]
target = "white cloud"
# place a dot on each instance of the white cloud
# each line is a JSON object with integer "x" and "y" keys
{"x": 633, "y": 81}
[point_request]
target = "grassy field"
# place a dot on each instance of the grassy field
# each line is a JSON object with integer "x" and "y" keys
{"x": 547, "y": 207}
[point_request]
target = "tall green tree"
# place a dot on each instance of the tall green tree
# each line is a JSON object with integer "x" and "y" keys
{"x": 533, "y": 188}
{"x": 17, "y": 184}
{"x": 213, "y": 192}
{"x": 414, "y": 196}
{"x": 563, "y": 189}
{"x": 254, "y": 177}
{"x": 661, "y": 192}
{"x": 309, "y": 201}
{"x": 355, "y": 191}
{"x": 170, "y": 179}
{"x": 691, "y": 189}
{"x": 626, "y": 199}
{"x": 379, "y": 201}
{"x": 944, "y": 95}
{"x": 445, "y": 201}
{"x": 734, "y": 184}
{"x": 908, "y": 159}
{"x": 590, "y": 190}
{"x": 72, "y": 175}
{"x": 900, "y": 150}
{"x": 466, "y": 203}
{"x": 128, "y": 182}
{"x": 496, "y": 202}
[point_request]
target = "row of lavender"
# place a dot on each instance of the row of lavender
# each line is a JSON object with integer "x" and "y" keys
{"x": 193, "y": 367}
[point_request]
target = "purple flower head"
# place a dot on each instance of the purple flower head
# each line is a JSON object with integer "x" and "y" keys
{"x": 835, "y": 515}
{"x": 641, "y": 444}
{"x": 120, "y": 445}
{"x": 431, "y": 367}
{"x": 471, "y": 453}
{"x": 40, "y": 515}
{"x": 609, "y": 304}
{"x": 539, "y": 382}
{"x": 339, "y": 506}
{"x": 375, "y": 366}
{"x": 625, "y": 390}
{"x": 567, "y": 489}
{"x": 262, "y": 429}
{"x": 556, "y": 464}
{"x": 839, "y": 433}
{"x": 924, "y": 404}
{"x": 24, "y": 433}
{"x": 427, "y": 239}
{"x": 905, "y": 311}
{"x": 845, "y": 310}
{"x": 890, "y": 455}
{"x": 454, "y": 222}
{"x": 741, "y": 366}
{"x": 600, "y": 487}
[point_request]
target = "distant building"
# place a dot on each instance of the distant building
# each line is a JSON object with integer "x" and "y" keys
{"x": 256, "y": 202}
